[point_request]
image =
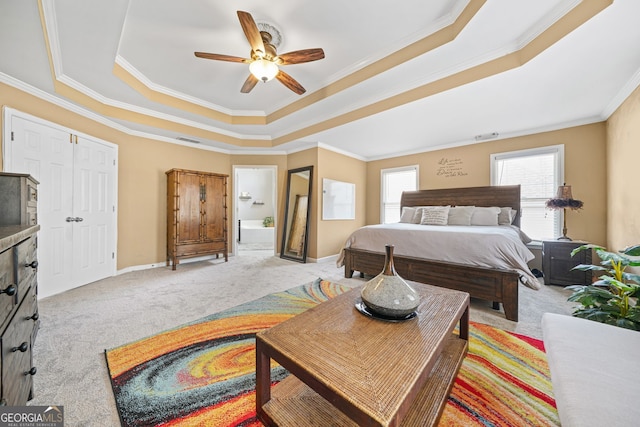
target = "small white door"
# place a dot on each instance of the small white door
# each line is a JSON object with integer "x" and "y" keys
{"x": 76, "y": 200}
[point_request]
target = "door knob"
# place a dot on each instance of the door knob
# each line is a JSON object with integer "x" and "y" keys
{"x": 72, "y": 219}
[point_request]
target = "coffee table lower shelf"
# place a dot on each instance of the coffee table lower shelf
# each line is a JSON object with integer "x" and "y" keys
{"x": 294, "y": 404}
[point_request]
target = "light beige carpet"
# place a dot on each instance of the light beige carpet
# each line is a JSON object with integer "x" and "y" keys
{"x": 78, "y": 325}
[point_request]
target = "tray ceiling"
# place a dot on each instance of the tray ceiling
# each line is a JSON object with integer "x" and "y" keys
{"x": 396, "y": 78}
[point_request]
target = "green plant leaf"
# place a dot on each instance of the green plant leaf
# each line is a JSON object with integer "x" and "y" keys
{"x": 589, "y": 267}
{"x": 585, "y": 247}
{"x": 627, "y": 324}
{"x": 621, "y": 286}
{"x": 609, "y": 257}
{"x": 632, "y": 250}
{"x": 634, "y": 315}
{"x": 632, "y": 277}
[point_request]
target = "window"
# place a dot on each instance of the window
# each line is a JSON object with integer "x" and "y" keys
{"x": 394, "y": 182}
{"x": 539, "y": 172}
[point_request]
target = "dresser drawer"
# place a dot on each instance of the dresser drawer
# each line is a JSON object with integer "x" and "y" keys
{"x": 7, "y": 286}
{"x": 16, "y": 357}
{"x": 32, "y": 193}
{"x": 196, "y": 248}
{"x": 26, "y": 265}
{"x": 32, "y": 215}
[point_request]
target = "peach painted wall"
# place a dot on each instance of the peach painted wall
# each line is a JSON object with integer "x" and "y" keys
{"x": 585, "y": 170}
{"x": 623, "y": 152}
{"x": 347, "y": 169}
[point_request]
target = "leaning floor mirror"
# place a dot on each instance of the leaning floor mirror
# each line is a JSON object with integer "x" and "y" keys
{"x": 296, "y": 214}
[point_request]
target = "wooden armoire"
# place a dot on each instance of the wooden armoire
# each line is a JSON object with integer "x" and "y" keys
{"x": 196, "y": 215}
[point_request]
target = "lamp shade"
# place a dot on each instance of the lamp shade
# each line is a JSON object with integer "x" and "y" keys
{"x": 564, "y": 199}
{"x": 263, "y": 69}
{"x": 564, "y": 192}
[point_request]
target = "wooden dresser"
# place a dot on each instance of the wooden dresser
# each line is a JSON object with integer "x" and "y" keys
{"x": 196, "y": 215}
{"x": 19, "y": 319}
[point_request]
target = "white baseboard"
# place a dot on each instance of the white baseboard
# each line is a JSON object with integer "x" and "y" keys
{"x": 163, "y": 264}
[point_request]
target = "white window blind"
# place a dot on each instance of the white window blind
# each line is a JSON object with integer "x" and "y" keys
{"x": 394, "y": 182}
{"x": 539, "y": 172}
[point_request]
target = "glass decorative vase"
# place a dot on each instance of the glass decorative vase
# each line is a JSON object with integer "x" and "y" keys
{"x": 388, "y": 295}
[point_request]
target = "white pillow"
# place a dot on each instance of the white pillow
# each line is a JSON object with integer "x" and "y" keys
{"x": 417, "y": 216}
{"x": 506, "y": 216}
{"x": 485, "y": 216}
{"x": 407, "y": 214}
{"x": 460, "y": 215}
{"x": 435, "y": 215}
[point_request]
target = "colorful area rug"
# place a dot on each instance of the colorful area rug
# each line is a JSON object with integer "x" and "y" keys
{"x": 203, "y": 373}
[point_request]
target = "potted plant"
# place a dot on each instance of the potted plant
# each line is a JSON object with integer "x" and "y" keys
{"x": 268, "y": 221}
{"x": 613, "y": 298}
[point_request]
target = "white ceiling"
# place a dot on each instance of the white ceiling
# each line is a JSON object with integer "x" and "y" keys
{"x": 581, "y": 78}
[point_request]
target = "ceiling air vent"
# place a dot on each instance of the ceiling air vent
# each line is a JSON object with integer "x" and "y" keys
{"x": 193, "y": 141}
{"x": 486, "y": 136}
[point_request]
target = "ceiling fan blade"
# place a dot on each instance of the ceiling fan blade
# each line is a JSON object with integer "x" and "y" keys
{"x": 290, "y": 82}
{"x": 219, "y": 57}
{"x": 252, "y": 32}
{"x": 300, "y": 56}
{"x": 249, "y": 84}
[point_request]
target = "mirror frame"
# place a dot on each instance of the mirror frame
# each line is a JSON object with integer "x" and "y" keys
{"x": 289, "y": 205}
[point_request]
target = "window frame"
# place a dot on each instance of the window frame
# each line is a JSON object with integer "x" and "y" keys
{"x": 557, "y": 150}
{"x": 385, "y": 171}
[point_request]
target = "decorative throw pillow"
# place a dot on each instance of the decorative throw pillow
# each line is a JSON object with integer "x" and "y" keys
{"x": 417, "y": 216}
{"x": 460, "y": 215}
{"x": 407, "y": 214}
{"x": 435, "y": 215}
{"x": 505, "y": 216}
{"x": 485, "y": 216}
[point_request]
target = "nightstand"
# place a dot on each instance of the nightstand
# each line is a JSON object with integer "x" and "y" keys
{"x": 557, "y": 263}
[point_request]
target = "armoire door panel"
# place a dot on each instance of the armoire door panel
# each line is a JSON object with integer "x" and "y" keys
{"x": 189, "y": 208}
{"x": 214, "y": 208}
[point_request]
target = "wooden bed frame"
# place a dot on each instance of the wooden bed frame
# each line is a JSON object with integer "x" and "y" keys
{"x": 496, "y": 285}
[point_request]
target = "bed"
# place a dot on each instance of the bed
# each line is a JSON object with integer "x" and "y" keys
{"x": 498, "y": 285}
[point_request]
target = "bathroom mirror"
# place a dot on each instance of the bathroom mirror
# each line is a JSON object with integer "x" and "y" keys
{"x": 296, "y": 214}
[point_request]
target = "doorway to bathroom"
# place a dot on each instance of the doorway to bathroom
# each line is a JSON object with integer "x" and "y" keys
{"x": 255, "y": 196}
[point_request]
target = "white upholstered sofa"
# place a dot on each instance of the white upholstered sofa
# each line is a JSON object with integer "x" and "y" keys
{"x": 595, "y": 371}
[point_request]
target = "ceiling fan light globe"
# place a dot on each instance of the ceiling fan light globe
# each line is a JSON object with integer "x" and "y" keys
{"x": 263, "y": 69}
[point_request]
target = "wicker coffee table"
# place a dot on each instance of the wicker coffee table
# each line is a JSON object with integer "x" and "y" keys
{"x": 352, "y": 370}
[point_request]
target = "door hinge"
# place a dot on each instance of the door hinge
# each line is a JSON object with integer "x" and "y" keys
{"x": 113, "y": 255}
{"x": 12, "y": 136}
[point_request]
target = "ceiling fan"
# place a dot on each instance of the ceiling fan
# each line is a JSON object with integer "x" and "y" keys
{"x": 264, "y": 61}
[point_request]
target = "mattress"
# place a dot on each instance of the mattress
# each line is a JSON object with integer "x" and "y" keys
{"x": 501, "y": 247}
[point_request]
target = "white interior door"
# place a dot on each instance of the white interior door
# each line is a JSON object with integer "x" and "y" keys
{"x": 93, "y": 210}
{"x": 77, "y": 178}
